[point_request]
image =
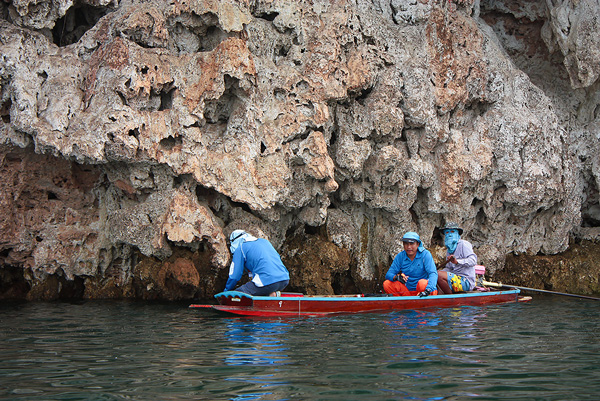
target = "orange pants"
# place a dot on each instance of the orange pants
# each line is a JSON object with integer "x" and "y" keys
{"x": 397, "y": 288}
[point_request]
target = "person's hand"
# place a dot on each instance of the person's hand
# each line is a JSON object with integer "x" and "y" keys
{"x": 425, "y": 293}
{"x": 401, "y": 277}
{"x": 452, "y": 259}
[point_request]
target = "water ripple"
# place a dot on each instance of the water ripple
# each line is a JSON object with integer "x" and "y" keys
{"x": 547, "y": 349}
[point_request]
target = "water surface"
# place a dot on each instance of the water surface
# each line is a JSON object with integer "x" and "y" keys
{"x": 547, "y": 349}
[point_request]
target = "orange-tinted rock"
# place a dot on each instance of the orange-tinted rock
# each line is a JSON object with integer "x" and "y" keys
{"x": 134, "y": 142}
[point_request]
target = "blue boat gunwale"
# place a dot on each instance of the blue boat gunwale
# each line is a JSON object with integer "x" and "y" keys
{"x": 356, "y": 297}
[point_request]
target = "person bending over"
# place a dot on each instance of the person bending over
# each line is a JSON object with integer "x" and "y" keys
{"x": 413, "y": 270}
{"x": 261, "y": 260}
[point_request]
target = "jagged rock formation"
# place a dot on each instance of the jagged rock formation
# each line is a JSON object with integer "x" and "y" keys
{"x": 135, "y": 136}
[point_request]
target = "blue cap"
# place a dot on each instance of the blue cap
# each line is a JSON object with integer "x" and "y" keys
{"x": 413, "y": 237}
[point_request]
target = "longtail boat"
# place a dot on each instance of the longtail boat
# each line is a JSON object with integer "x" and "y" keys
{"x": 297, "y": 304}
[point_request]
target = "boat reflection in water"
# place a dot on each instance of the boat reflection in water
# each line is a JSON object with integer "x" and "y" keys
{"x": 256, "y": 352}
{"x": 256, "y": 342}
{"x": 424, "y": 340}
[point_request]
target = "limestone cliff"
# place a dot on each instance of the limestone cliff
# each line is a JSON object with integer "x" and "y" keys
{"x": 136, "y": 135}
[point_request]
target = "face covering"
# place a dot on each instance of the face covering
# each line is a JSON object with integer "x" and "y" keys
{"x": 451, "y": 240}
{"x": 236, "y": 239}
{"x": 239, "y": 238}
{"x": 235, "y": 244}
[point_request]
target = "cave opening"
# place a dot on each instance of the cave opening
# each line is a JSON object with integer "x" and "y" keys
{"x": 76, "y": 22}
{"x": 5, "y": 111}
{"x": 590, "y": 209}
{"x": 343, "y": 283}
{"x": 13, "y": 284}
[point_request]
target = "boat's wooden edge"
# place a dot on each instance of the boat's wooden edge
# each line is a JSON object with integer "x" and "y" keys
{"x": 252, "y": 311}
{"x": 236, "y": 294}
{"x": 399, "y": 297}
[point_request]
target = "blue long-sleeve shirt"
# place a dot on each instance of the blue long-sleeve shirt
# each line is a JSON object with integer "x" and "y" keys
{"x": 466, "y": 258}
{"x": 262, "y": 262}
{"x": 421, "y": 267}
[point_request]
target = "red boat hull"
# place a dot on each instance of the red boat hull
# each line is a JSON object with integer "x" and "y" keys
{"x": 237, "y": 303}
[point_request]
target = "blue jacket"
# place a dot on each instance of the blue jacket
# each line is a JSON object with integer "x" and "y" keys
{"x": 422, "y": 267}
{"x": 262, "y": 262}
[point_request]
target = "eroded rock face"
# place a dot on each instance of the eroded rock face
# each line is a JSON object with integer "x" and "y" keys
{"x": 574, "y": 271}
{"x": 137, "y": 135}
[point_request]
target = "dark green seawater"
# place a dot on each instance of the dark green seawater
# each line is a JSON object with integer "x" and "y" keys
{"x": 547, "y": 349}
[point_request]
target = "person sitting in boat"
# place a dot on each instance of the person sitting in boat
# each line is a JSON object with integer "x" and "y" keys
{"x": 458, "y": 275}
{"x": 413, "y": 270}
{"x": 261, "y": 260}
